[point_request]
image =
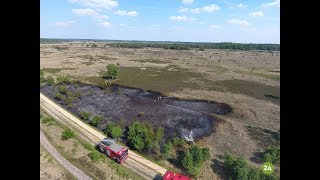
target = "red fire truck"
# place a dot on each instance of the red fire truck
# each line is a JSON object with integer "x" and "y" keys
{"x": 113, "y": 150}
{"x": 172, "y": 176}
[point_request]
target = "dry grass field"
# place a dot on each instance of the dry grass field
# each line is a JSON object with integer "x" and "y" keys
{"x": 249, "y": 81}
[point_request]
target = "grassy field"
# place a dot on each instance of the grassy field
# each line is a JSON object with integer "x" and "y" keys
{"x": 249, "y": 81}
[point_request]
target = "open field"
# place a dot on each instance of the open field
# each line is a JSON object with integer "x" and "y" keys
{"x": 248, "y": 81}
{"x": 50, "y": 168}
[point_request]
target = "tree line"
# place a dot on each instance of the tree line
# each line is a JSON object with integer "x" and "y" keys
{"x": 191, "y": 45}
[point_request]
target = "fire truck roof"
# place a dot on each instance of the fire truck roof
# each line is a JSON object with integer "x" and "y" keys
{"x": 115, "y": 147}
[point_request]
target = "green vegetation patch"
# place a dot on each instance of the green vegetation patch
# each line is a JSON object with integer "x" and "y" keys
{"x": 249, "y": 88}
{"x": 155, "y": 61}
{"x": 275, "y": 77}
{"x": 271, "y": 154}
{"x": 94, "y": 80}
{"x": 168, "y": 79}
{"x": 67, "y": 133}
{"x": 238, "y": 168}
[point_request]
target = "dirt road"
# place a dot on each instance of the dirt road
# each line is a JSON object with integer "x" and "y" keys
{"x": 135, "y": 162}
{"x": 66, "y": 164}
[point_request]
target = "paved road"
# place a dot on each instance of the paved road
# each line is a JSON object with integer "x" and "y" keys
{"x": 66, "y": 164}
{"x": 135, "y": 162}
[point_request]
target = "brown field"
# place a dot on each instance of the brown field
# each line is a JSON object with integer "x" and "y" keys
{"x": 248, "y": 81}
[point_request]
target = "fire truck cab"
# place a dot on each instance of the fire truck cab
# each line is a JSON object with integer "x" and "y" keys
{"x": 113, "y": 150}
{"x": 172, "y": 176}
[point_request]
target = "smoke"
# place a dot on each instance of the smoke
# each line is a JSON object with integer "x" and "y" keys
{"x": 188, "y": 135}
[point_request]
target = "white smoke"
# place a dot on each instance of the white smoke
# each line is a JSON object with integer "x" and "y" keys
{"x": 188, "y": 135}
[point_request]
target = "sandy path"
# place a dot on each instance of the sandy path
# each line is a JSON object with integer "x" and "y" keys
{"x": 135, "y": 162}
{"x": 66, "y": 164}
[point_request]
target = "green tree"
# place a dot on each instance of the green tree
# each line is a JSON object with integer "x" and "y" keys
{"x": 159, "y": 134}
{"x": 112, "y": 71}
{"x": 187, "y": 160}
{"x": 96, "y": 119}
{"x": 167, "y": 150}
{"x": 140, "y": 136}
{"x": 113, "y": 130}
{"x": 240, "y": 169}
{"x": 178, "y": 142}
{"x": 85, "y": 115}
{"x": 271, "y": 154}
{"x": 197, "y": 155}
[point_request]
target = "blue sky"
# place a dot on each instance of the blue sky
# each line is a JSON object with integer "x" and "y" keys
{"x": 244, "y": 21}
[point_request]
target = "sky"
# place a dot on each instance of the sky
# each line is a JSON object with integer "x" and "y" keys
{"x": 241, "y": 21}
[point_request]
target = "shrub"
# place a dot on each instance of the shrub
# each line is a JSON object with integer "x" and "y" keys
{"x": 113, "y": 130}
{"x": 58, "y": 96}
{"x": 140, "y": 136}
{"x": 193, "y": 159}
{"x": 63, "y": 90}
{"x": 167, "y": 150}
{"x": 95, "y": 156}
{"x": 112, "y": 71}
{"x": 50, "y": 80}
{"x": 77, "y": 94}
{"x": 271, "y": 154}
{"x": 159, "y": 134}
{"x": 187, "y": 161}
{"x": 239, "y": 169}
{"x": 63, "y": 79}
{"x": 88, "y": 146}
{"x": 178, "y": 142}
{"x": 67, "y": 133}
{"x": 96, "y": 119}
{"x": 47, "y": 119}
{"x": 85, "y": 115}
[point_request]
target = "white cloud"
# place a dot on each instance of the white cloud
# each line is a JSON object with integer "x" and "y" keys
{"x": 214, "y": 28}
{"x": 242, "y": 5}
{"x": 105, "y": 24}
{"x": 99, "y": 4}
{"x": 256, "y": 14}
{"x": 273, "y": 3}
{"x": 84, "y": 12}
{"x": 195, "y": 10}
{"x": 211, "y": 8}
{"x": 183, "y": 10}
{"x": 187, "y": 1}
{"x": 101, "y": 17}
{"x": 243, "y": 23}
{"x": 182, "y": 18}
{"x": 125, "y": 13}
{"x": 178, "y": 18}
{"x": 64, "y": 23}
{"x": 90, "y": 12}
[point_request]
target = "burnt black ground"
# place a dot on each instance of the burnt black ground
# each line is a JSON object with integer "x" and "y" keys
{"x": 191, "y": 119}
